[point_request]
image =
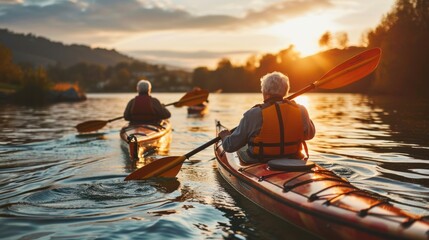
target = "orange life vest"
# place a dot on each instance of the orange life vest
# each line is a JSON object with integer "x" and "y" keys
{"x": 142, "y": 109}
{"x": 282, "y": 132}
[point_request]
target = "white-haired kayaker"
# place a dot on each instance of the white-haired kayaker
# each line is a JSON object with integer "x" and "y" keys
{"x": 276, "y": 128}
{"x": 144, "y": 108}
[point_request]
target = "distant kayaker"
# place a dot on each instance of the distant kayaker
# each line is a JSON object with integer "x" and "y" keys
{"x": 276, "y": 128}
{"x": 144, "y": 108}
{"x": 199, "y": 107}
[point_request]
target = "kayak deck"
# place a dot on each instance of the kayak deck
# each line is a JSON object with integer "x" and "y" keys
{"x": 144, "y": 139}
{"x": 319, "y": 201}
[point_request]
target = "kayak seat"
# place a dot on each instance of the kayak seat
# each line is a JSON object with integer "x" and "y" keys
{"x": 245, "y": 158}
{"x": 286, "y": 164}
{"x": 153, "y": 128}
{"x": 132, "y": 137}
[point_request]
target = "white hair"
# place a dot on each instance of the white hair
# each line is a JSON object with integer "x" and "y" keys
{"x": 144, "y": 86}
{"x": 275, "y": 83}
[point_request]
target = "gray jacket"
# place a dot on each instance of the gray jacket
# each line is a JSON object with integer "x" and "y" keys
{"x": 250, "y": 126}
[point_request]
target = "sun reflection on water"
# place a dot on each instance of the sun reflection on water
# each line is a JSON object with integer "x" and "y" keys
{"x": 303, "y": 100}
{"x": 377, "y": 144}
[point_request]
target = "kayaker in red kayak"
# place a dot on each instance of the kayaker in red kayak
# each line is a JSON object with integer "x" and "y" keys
{"x": 144, "y": 108}
{"x": 276, "y": 128}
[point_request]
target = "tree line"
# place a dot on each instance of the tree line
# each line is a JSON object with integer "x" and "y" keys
{"x": 301, "y": 71}
{"x": 23, "y": 82}
{"x": 121, "y": 77}
{"x": 403, "y": 35}
{"x": 26, "y": 83}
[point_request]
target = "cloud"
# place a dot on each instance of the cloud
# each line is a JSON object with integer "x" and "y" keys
{"x": 187, "y": 54}
{"x": 285, "y": 9}
{"x": 127, "y": 16}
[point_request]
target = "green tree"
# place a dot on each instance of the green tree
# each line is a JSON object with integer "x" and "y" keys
{"x": 403, "y": 35}
{"x": 9, "y": 72}
{"x": 34, "y": 88}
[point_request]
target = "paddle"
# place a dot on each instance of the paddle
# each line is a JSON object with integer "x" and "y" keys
{"x": 192, "y": 98}
{"x": 346, "y": 73}
{"x": 189, "y": 99}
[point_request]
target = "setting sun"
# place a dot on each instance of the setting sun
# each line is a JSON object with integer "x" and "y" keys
{"x": 301, "y": 32}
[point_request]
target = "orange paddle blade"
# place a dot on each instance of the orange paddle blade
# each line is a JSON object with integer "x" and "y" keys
{"x": 193, "y": 98}
{"x": 351, "y": 70}
{"x": 94, "y": 125}
{"x": 90, "y": 126}
{"x": 167, "y": 167}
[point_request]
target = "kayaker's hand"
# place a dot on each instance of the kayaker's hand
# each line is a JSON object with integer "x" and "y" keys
{"x": 222, "y": 134}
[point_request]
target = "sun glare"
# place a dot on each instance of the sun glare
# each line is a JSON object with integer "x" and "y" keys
{"x": 303, "y": 32}
{"x": 303, "y": 100}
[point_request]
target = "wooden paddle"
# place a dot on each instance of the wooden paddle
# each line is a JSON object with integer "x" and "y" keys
{"x": 189, "y": 99}
{"x": 346, "y": 73}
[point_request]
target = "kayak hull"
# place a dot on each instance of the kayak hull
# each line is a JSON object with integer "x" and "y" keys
{"x": 319, "y": 201}
{"x": 200, "y": 109}
{"x": 145, "y": 139}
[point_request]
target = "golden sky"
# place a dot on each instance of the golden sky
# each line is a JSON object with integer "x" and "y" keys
{"x": 192, "y": 33}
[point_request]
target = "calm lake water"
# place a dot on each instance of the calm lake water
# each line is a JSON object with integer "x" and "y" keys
{"x": 57, "y": 184}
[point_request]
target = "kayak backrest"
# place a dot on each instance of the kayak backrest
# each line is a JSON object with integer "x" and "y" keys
{"x": 285, "y": 164}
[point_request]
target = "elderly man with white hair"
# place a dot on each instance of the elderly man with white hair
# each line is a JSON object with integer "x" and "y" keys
{"x": 144, "y": 108}
{"x": 276, "y": 128}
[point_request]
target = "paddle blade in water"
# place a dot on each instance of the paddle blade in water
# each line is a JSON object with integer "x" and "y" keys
{"x": 193, "y": 98}
{"x": 351, "y": 70}
{"x": 90, "y": 126}
{"x": 167, "y": 167}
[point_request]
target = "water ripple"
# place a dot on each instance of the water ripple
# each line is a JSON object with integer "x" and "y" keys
{"x": 56, "y": 183}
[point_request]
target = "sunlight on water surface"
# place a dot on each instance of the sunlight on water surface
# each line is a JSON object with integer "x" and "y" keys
{"x": 56, "y": 183}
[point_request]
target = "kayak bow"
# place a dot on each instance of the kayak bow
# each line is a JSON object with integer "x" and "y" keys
{"x": 143, "y": 139}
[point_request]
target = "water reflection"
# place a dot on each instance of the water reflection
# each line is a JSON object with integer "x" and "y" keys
{"x": 408, "y": 122}
{"x": 246, "y": 218}
{"x": 303, "y": 100}
{"x": 357, "y": 137}
{"x": 73, "y": 184}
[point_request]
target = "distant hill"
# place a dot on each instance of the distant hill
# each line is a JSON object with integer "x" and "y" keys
{"x": 301, "y": 71}
{"x": 39, "y": 51}
{"x": 309, "y": 69}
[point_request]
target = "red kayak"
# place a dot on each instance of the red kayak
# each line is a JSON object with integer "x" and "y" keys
{"x": 317, "y": 200}
{"x": 144, "y": 139}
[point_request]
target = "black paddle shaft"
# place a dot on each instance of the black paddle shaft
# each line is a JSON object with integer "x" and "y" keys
{"x": 114, "y": 119}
